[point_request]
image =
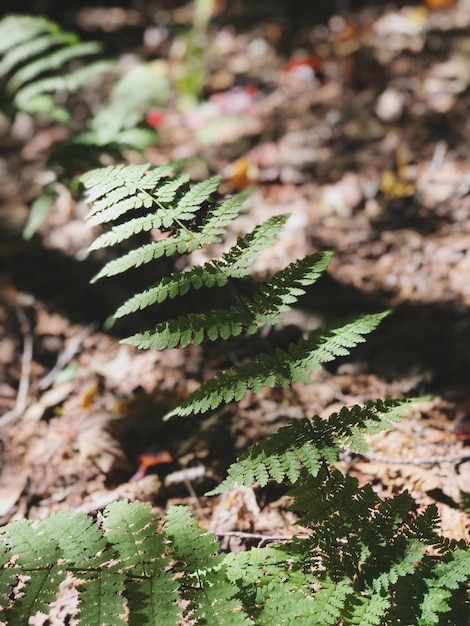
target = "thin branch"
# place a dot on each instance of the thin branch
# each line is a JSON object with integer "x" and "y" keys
{"x": 26, "y": 358}
{"x": 66, "y": 356}
{"x": 261, "y": 538}
{"x": 420, "y": 460}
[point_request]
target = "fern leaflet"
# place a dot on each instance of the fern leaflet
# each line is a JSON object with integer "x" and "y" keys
{"x": 233, "y": 264}
{"x": 307, "y": 443}
{"x": 282, "y": 368}
{"x": 265, "y": 308}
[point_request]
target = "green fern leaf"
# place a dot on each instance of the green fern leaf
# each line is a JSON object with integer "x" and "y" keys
{"x": 120, "y": 204}
{"x": 191, "y": 202}
{"x": 79, "y": 539}
{"x": 17, "y": 29}
{"x": 34, "y": 547}
{"x": 102, "y": 598}
{"x": 146, "y": 254}
{"x": 152, "y": 600}
{"x": 51, "y": 62}
{"x": 151, "y": 592}
{"x": 274, "y": 298}
{"x": 330, "y": 602}
{"x": 169, "y": 190}
{"x": 282, "y": 368}
{"x": 41, "y": 588}
{"x": 306, "y": 444}
{"x": 281, "y": 456}
{"x": 38, "y": 58}
{"x": 21, "y": 52}
{"x": 177, "y": 284}
{"x": 447, "y": 576}
{"x": 192, "y": 546}
{"x": 131, "y": 529}
{"x": 369, "y": 611}
{"x": 247, "y": 248}
{"x": 215, "y": 223}
{"x": 233, "y": 264}
{"x": 308, "y": 355}
{"x": 117, "y": 190}
{"x": 211, "y": 595}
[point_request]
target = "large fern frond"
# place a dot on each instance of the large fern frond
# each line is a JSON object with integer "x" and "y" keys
{"x": 364, "y": 562}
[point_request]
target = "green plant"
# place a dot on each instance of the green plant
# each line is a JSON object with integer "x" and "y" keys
{"x": 38, "y": 59}
{"x": 171, "y": 205}
{"x": 188, "y": 56}
{"x": 41, "y": 65}
{"x": 362, "y": 561}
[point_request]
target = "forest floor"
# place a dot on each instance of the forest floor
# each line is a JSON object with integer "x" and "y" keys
{"x": 359, "y": 128}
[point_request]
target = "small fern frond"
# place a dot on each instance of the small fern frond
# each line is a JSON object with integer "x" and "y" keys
{"x": 211, "y": 595}
{"x": 147, "y": 253}
{"x": 114, "y": 190}
{"x": 53, "y": 61}
{"x": 190, "y": 544}
{"x": 214, "y": 225}
{"x": 132, "y": 531}
{"x": 26, "y": 49}
{"x": 309, "y": 354}
{"x": 33, "y": 547}
{"x": 41, "y": 588}
{"x": 241, "y": 256}
{"x": 367, "y": 610}
{"x": 38, "y": 59}
{"x": 18, "y": 29}
{"x": 447, "y": 577}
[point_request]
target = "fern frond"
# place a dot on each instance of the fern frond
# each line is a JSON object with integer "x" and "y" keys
{"x": 34, "y": 547}
{"x": 190, "y": 544}
{"x": 367, "y": 610}
{"x": 308, "y": 354}
{"x": 132, "y": 531}
{"x": 241, "y": 256}
{"x": 163, "y": 217}
{"x": 152, "y": 600}
{"x": 20, "y": 52}
{"x": 37, "y": 58}
{"x": 34, "y": 97}
{"x": 112, "y": 189}
{"x": 211, "y": 595}
{"x": 52, "y": 61}
{"x": 233, "y": 264}
{"x": 447, "y": 577}
{"x": 282, "y": 368}
{"x": 214, "y": 225}
{"x": 330, "y": 601}
{"x": 18, "y": 29}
